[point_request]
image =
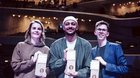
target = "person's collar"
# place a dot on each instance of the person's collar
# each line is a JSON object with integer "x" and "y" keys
{"x": 40, "y": 44}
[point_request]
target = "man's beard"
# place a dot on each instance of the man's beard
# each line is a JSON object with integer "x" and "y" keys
{"x": 70, "y": 34}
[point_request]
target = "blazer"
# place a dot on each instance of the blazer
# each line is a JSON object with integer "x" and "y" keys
{"x": 116, "y": 61}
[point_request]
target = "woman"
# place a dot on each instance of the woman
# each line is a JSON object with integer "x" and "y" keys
{"x": 26, "y": 53}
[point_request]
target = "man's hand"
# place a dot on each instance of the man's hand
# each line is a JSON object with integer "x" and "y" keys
{"x": 101, "y": 60}
{"x": 73, "y": 74}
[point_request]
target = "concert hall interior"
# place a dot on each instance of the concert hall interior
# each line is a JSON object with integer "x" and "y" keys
{"x": 122, "y": 15}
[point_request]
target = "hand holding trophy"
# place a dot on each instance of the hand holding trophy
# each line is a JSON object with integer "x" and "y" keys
{"x": 70, "y": 56}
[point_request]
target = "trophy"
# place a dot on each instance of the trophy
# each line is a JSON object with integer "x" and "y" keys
{"x": 71, "y": 58}
{"x": 40, "y": 68}
{"x": 94, "y": 67}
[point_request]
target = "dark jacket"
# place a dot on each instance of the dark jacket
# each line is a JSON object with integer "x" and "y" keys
{"x": 116, "y": 61}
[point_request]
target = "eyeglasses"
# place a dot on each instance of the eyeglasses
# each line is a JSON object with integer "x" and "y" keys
{"x": 99, "y": 29}
{"x": 68, "y": 23}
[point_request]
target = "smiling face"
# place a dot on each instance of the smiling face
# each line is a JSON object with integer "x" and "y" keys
{"x": 101, "y": 31}
{"x": 36, "y": 30}
{"x": 70, "y": 27}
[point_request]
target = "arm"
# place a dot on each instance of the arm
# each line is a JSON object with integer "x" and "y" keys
{"x": 84, "y": 72}
{"x": 121, "y": 63}
{"x": 17, "y": 63}
{"x": 56, "y": 62}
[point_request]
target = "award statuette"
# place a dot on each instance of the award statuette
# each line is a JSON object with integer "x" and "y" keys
{"x": 71, "y": 58}
{"x": 40, "y": 68}
{"x": 94, "y": 67}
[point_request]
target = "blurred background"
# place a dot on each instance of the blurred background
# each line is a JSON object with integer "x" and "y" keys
{"x": 123, "y": 16}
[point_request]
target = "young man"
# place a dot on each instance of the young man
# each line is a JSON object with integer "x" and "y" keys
{"x": 59, "y": 48}
{"x": 110, "y": 55}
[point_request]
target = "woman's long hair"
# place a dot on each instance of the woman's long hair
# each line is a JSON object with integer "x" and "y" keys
{"x": 28, "y": 32}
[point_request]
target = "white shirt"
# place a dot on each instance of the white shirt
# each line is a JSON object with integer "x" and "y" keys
{"x": 71, "y": 45}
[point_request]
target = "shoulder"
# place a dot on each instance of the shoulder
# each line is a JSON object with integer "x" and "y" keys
{"x": 46, "y": 47}
{"x": 84, "y": 41}
{"x": 113, "y": 44}
{"x": 21, "y": 43}
{"x": 58, "y": 41}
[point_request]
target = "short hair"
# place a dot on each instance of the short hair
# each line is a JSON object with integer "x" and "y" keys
{"x": 102, "y": 22}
